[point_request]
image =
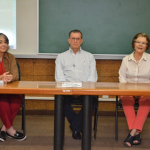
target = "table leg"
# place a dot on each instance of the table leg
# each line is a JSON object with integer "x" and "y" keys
{"x": 87, "y": 123}
{"x": 59, "y": 123}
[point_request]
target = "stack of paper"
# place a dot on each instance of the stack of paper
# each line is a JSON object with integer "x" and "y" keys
{"x": 1, "y": 82}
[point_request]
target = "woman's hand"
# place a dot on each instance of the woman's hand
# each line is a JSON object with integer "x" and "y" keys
{"x": 7, "y": 77}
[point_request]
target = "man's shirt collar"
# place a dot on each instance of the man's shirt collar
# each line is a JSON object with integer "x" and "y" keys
{"x": 72, "y": 50}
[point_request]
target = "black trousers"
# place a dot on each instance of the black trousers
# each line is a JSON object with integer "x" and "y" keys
{"x": 74, "y": 119}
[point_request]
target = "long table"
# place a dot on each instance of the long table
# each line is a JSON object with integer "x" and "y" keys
{"x": 105, "y": 88}
{"x": 88, "y": 89}
{"x": 40, "y": 87}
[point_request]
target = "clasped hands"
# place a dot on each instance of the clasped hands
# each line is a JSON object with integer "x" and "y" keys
{"x": 76, "y": 96}
{"x": 6, "y": 77}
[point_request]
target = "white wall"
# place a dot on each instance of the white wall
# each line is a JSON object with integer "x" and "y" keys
{"x": 27, "y": 27}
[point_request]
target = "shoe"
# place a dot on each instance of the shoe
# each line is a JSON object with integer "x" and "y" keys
{"x": 17, "y": 136}
{"x": 76, "y": 135}
{"x": 2, "y": 136}
{"x": 138, "y": 139}
{"x": 129, "y": 139}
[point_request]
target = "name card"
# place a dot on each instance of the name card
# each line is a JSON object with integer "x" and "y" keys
{"x": 1, "y": 82}
{"x": 71, "y": 84}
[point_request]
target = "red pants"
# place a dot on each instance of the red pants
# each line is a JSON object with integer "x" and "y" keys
{"x": 9, "y": 107}
{"x": 135, "y": 121}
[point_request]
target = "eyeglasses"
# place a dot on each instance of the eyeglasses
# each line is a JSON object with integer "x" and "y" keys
{"x": 138, "y": 42}
{"x": 77, "y": 39}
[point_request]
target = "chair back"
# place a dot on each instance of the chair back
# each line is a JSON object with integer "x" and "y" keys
{"x": 19, "y": 72}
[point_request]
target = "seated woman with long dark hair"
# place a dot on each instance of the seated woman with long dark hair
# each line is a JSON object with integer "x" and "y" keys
{"x": 9, "y": 103}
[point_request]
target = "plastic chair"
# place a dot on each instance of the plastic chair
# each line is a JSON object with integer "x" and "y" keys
{"x": 23, "y": 103}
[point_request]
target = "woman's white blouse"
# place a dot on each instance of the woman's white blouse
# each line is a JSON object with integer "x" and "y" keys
{"x": 133, "y": 72}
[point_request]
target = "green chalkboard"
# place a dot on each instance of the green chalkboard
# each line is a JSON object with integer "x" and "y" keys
{"x": 108, "y": 26}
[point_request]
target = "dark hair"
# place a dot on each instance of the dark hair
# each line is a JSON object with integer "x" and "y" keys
{"x": 141, "y": 35}
{"x": 6, "y": 38}
{"x": 75, "y": 31}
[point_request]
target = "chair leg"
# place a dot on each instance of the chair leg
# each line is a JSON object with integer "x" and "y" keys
{"x": 95, "y": 122}
{"x": 116, "y": 123}
{"x": 23, "y": 115}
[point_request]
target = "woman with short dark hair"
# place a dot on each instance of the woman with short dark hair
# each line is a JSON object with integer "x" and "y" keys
{"x": 135, "y": 68}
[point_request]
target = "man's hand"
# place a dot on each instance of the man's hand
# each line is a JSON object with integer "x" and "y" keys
{"x": 75, "y": 96}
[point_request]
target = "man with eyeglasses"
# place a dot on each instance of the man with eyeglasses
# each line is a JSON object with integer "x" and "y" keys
{"x": 75, "y": 65}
